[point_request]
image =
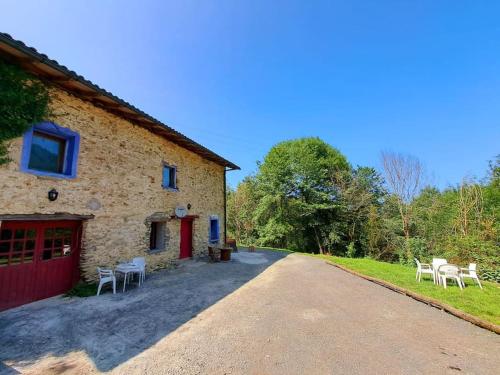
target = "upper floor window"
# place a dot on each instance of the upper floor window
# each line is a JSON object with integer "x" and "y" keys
{"x": 169, "y": 177}
{"x": 50, "y": 150}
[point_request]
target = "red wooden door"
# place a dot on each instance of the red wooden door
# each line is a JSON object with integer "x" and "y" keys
{"x": 37, "y": 260}
{"x": 186, "y": 238}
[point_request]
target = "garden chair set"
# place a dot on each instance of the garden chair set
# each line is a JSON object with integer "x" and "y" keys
{"x": 441, "y": 271}
{"x": 127, "y": 269}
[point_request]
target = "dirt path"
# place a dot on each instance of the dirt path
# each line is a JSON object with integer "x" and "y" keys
{"x": 294, "y": 315}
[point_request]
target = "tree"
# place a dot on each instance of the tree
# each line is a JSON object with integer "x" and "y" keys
{"x": 241, "y": 206}
{"x": 470, "y": 206}
{"x": 299, "y": 201}
{"x": 360, "y": 190}
{"x": 403, "y": 173}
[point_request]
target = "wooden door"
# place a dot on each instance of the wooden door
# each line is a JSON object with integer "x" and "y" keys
{"x": 186, "y": 250}
{"x": 38, "y": 259}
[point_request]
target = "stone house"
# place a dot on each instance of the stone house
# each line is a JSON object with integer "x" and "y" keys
{"x": 98, "y": 183}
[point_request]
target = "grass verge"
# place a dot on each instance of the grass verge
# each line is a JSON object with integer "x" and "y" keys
{"x": 484, "y": 304}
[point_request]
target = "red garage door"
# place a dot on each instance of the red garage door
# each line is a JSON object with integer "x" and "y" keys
{"x": 37, "y": 260}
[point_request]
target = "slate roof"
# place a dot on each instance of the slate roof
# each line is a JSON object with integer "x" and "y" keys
{"x": 50, "y": 70}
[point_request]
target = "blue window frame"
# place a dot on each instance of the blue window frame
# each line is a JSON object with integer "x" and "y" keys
{"x": 169, "y": 177}
{"x": 50, "y": 150}
{"x": 214, "y": 229}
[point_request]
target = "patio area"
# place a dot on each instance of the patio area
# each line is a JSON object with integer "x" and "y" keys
{"x": 263, "y": 312}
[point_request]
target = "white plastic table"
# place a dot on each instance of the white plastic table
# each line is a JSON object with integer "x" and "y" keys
{"x": 126, "y": 269}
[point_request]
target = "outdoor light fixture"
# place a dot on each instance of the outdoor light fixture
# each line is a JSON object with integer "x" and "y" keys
{"x": 189, "y": 206}
{"x": 53, "y": 194}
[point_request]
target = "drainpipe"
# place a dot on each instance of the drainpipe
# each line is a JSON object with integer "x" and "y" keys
{"x": 225, "y": 208}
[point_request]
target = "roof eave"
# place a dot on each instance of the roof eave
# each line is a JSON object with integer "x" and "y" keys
{"x": 59, "y": 75}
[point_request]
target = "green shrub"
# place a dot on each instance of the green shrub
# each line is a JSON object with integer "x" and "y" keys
{"x": 82, "y": 289}
{"x": 351, "y": 250}
{"x": 413, "y": 248}
{"x": 470, "y": 249}
{"x": 489, "y": 275}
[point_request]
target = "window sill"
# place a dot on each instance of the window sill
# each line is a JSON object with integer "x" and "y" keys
{"x": 156, "y": 251}
{"x": 48, "y": 174}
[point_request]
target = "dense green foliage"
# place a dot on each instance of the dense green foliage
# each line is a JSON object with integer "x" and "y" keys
{"x": 82, "y": 289}
{"x": 24, "y": 101}
{"x": 306, "y": 197}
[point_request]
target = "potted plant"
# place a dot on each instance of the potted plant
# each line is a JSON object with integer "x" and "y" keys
{"x": 225, "y": 254}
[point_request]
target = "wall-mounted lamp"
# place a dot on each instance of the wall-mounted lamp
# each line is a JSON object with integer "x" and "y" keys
{"x": 53, "y": 194}
{"x": 189, "y": 206}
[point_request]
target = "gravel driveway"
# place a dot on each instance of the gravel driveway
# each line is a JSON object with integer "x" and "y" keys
{"x": 266, "y": 313}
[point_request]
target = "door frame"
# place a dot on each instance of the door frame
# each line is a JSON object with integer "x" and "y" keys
{"x": 187, "y": 220}
{"x": 30, "y": 274}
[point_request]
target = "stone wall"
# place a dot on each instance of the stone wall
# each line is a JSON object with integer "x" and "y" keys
{"x": 120, "y": 182}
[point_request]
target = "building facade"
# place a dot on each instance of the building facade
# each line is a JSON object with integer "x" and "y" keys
{"x": 93, "y": 186}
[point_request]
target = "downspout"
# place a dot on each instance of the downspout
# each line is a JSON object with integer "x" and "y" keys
{"x": 225, "y": 208}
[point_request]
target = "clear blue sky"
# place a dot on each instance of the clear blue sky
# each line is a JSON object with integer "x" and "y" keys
{"x": 420, "y": 77}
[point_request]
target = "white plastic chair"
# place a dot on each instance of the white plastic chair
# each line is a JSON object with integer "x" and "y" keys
{"x": 423, "y": 268}
{"x": 436, "y": 262}
{"x": 106, "y": 276}
{"x": 471, "y": 273}
{"x": 141, "y": 263}
{"x": 449, "y": 271}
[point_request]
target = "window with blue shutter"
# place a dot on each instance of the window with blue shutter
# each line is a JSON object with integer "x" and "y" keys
{"x": 214, "y": 229}
{"x": 50, "y": 150}
{"x": 169, "y": 177}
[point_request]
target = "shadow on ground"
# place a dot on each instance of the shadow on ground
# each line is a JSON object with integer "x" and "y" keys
{"x": 111, "y": 329}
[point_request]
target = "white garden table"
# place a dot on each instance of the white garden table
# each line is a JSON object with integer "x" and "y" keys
{"x": 126, "y": 269}
{"x": 436, "y": 263}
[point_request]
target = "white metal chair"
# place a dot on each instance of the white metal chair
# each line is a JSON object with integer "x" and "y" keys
{"x": 471, "y": 273}
{"x": 423, "y": 268}
{"x": 436, "y": 262}
{"x": 106, "y": 276}
{"x": 449, "y": 271}
{"x": 141, "y": 263}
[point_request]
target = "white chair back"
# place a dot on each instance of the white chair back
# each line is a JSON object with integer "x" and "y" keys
{"x": 106, "y": 276}
{"x": 103, "y": 273}
{"x": 139, "y": 261}
{"x": 473, "y": 269}
{"x": 449, "y": 270}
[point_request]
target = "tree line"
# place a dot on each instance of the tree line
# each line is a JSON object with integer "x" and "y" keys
{"x": 306, "y": 196}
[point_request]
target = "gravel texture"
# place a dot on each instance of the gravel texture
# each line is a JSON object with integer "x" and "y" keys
{"x": 262, "y": 313}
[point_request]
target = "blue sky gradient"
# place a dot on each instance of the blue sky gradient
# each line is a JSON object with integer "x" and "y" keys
{"x": 419, "y": 77}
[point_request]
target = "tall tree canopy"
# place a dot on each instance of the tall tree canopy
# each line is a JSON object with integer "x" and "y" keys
{"x": 305, "y": 196}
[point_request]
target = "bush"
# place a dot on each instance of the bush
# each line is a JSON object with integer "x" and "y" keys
{"x": 82, "y": 289}
{"x": 24, "y": 101}
{"x": 351, "y": 250}
{"x": 413, "y": 248}
{"x": 470, "y": 249}
{"x": 490, "y": 275}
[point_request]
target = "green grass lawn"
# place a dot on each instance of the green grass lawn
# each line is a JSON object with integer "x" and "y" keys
{"x": 484, "y": 304}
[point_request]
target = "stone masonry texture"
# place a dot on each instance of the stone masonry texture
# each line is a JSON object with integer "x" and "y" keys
{"x": 120, "y": 182}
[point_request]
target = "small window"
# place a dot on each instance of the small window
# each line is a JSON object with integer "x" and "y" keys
{"x": 214, "y": 229}
{"x": 157, "y": 236}
{"x": 47, "y": 153}
{"x": 50, "y": 150}
{"x": 169, "y": 177}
